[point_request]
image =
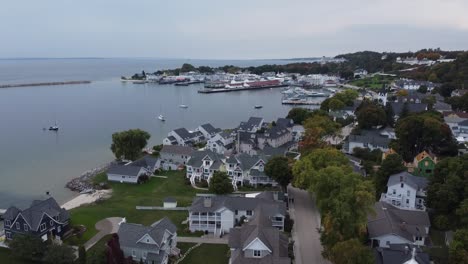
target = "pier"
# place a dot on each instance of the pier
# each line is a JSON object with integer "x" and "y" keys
{"x": 225, "y": 90}
{"x": 42, "y": 84}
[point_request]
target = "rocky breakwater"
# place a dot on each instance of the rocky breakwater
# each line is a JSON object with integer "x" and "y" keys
{"x": 85, "y": 181}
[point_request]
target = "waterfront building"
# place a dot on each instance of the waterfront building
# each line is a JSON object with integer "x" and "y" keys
{"x": 173, "y": 156}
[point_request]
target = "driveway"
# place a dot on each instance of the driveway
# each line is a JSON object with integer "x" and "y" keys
{"x": 105, "y": 227}
{"x": 203, "y": 240}
{"x": 307, "y": 247}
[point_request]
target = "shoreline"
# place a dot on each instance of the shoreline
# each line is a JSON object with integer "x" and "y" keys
{"x": 42, "y": 84}
{"x": 89, "y": 198}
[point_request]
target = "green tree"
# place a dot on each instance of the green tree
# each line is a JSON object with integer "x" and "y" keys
{"x": 419, "y": 132}
{"x": 59, "y": 254}
{"x": 298, "y": 115}
{"x": 186, "y": 67}
{"x": 316, "y": 128}
{"x": 220, "y": 183}
{"x": 335, "y": 104}
{"x": 81, "y": 255}
{"x": 392, "y": 164}
{"x": 279, "y": 170}
{"x": 390, "y": 115}
{"x": 128, "y": 144}
{"x": 27, "y": 247}
{"x": 458, "y": 251}
{"x": 422, "y": 89}
{"x": 370, "y": 114}
{"x": 351, "y": 251}
{"x": 305, "y": 170}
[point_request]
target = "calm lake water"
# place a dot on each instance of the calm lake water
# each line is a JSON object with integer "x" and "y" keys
{"x": 33, "y": 160}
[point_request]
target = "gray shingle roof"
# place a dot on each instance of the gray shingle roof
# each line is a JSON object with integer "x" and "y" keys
{"x": 275, "y": 132}
{"x": 246, "y": 161}
{"x": 197, "y": 157}
{"x": 251, "y": 123}
{"x": 124, "y": 170}
{"x": 416, "y": 182}
{"x": 183, "y": 133}
{"x": 237, "y": 203}
{"x": 391, "y": 220}
{"x": 146, "y": 161}
{"x": 370, "y": 137}
{"x": 397, "y": 253}
{"x": 169, "y": 200}
{"x": 412, "y": 107}
{"x": 175, "y": 149}
{"x": 33, "y": 214}
{"x": 130, "y": 234}
{"x": 284, "y": 122}
{"x": 210, "y": 129}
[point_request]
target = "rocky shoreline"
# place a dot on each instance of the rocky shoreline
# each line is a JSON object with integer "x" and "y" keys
{"x": 84, "y": 182}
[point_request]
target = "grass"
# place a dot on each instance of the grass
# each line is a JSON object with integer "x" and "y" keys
{"x": 184, "y": 247}
{"x": 126, "y": 196}
{"x": 7, "y": 258}
{"x": 208, "y": 254}
{"x": 98, "y": 250}
{"x": 257, "y": 189}
{"x": 375, "y": 82}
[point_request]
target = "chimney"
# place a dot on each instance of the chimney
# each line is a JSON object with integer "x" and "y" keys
{"x": 207, "y": 201}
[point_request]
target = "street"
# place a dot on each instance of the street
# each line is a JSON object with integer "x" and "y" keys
{"x": 307, "y": 248}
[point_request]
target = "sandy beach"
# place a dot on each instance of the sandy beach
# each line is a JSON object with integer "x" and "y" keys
{"x": 87, "y": 199}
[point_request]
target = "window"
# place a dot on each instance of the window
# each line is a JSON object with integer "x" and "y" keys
{"x": 407, "y": 201}
{"x": 249, "y": 212}
{"x": 133, "y": 253}
{"x": 394, "y": 191}
{"x": 18, "y": 226}
{"x": 8, "y": 235}
{"x": 144, "y": 255}
{"x": 426, "y": 163}
{"x": 26, "y": 227}
{"x": 236, "y": 212}
{"x": 7, "y": 223}
{"x": 402, "y": 185}
{"x": 388, "y": 243}
{"x": 51, "y": 223}
{"x": 408, "y": 193}
{"x": 43, "y": 227}
{"x": 147, "y": 240}
{"x": 418, "y": 238}
{"x": 257, "y": 253}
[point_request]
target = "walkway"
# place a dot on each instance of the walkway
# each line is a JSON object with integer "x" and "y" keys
{"x": 203, "y": 240}
{"x": 105, "y": 227}
{"x": 199, "y": 188}
{"x": 307, "y": 246}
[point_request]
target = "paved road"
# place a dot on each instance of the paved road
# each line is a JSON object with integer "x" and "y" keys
{"x": 107, "y": 226}
{"x": 307, "y": 247}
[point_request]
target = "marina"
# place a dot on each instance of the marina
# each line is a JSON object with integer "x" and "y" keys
{"x": 225, "y": 90}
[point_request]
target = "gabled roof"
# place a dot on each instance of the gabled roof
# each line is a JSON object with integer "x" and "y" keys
{"x": 391, "y": 220}
{"x": 237, "y": 203}
{"x": 246, "y": 162}
{"x": 183, "y": 133}
{"x": 179, "y": 150}
{"x": 284, "y": 122}
{"x": 441, "y": 106}
{"x": 210, "y": 129}
{"x": 130, "y": 235}
{"x": 251, "y": 123}
{"x": 33, "y": 215}
{"x": 275, "y": 132}
{"x": 459, "y": 114}
{"x": 423, "y": 155}
{"x": 412, "y": 107}
{"x": 400, "y": 253}
{"x": 370, "y": 137}
{"x": 128, "y": 170}
{"x": 197, "y": 157}
{"x": 418, "y": 183}
{"x": 146, "y": 161}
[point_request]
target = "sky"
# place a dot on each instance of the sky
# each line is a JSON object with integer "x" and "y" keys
{"x": 221, "y": 29}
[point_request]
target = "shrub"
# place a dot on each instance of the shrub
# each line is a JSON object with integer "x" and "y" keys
{"x": 441, "y": 222}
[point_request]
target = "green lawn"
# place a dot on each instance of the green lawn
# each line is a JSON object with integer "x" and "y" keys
{"x": 184, "y": 247}
{"x": 375, "y": 82}
{"x": 98, "y": 251}
{"x": 7, "y": 258}
{"x": 126, "y": 196}
{"x": 208, "y": 254}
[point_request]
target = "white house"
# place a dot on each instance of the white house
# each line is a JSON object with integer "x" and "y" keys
{"x": 183, "y": 137}
{"x": 221, "y": 142}
{"x": 173, "y": 156}
{"x": 360, "y": 73}
{"x": 153, "y": 244}
{"x": 218, "y": 214}
{"x": 390, "y": 225}
{"x": 202, "y": 165}
{"x": 370, "y": 139}
{"x": 406, "y": 191}
{"x": 246, "y": 169}
{"x": 208, "y": 130}
{"x": 169, "y": 202}
{"x": 252, "y": 125}
{"x": 125, "y": 173}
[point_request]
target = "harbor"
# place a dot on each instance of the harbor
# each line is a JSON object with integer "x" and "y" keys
{"x": 226, "y": 90}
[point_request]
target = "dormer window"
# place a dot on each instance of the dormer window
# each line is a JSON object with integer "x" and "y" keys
{"x": 26, "y": 227}
{"x": 257, "y": 253}
{"x": 402, "y": 185}
{"x": 147, "y": 240}
{"x": 18, "y": 226}
{"x": 7, "y": 223}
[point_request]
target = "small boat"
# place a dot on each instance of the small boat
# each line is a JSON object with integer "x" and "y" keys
{"x": 54, "y": 127}
{"x": 258, "y": 106}
{"x": 183, "y": 106}
{"x": 161, "y": 117}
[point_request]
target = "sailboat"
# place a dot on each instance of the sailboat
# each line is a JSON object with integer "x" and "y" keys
{"x": 54, "y": 127}
{"x": 162, "y": 118}
{"x": 183, "y": 106}
{"x": 258, "y": 106}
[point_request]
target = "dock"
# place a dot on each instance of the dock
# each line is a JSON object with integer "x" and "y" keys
{"x": 42, "y": 84}
{"x": 301, "y": 102}
{"x": 226, "y": 90}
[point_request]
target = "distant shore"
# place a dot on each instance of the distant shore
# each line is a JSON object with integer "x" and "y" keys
{"x": 42, "y": 84}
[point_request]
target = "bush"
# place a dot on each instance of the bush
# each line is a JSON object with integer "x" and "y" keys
{"x": 203, "y": 184}
{"x": 187, "y": 181}
{"x": 143, "y": 179}
{"x": 288, "y": 224}
{"x": 442, "y": 222}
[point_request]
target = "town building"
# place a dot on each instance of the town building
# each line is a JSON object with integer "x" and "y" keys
{"x": 406, "y": 191}
{"x": 44, "y": 219}
{"x": 398, "y": 107}
{"x": 208, "y": 130}
{"x": 244, "y": 169}
{"x": 221, "y": 143}
{"x": 360, "y": 73}
{"x": 258, "y": 241}
{"x": 183, "y": 137}
{"x": 390, "y": 225}
{"x": 423, "y": 164}
{"x": 173, "y": 157}
{"x": 401, "y": 253}
{"x": 126, "y": 173}
{"x": 252, "y": 125}
{"x": 370, "y": 139}
{"x": 152, "y": 245}
{"x": 203, "y": 164}
{"x": 408, "y": 84}
{"x": 218, "y": 214}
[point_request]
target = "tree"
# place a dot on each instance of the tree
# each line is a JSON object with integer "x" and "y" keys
{"x": 27, "y": 247}
{"x": 279, "y": 170}
{"x": 81, "y": 255}
{"x": 390, "y": 115}
{"x": 424, "y": 131}
{"x": 128, "y": 144}
{"x": 458, "y": 250}
{"x": 186, "y": 67}
{"x": 422, "y": 89}
{"x": 305, "y": 170}
{"x": 220, "y": 183}
{"x": 370, "y": 114}
{"x": 335, "y": 104}
{"x": 59, "y": 254}
{"x": 351, "y": 251}
{"x": 392, "y": 164}
{"x": 404, "y": 111}
{"x": 402, "y": 93}
{"x": 316, "y": 128}
{"x": 298, "y": 115}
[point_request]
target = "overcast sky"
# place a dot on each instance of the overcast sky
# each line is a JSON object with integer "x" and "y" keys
{"x": 220, "y": 29}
